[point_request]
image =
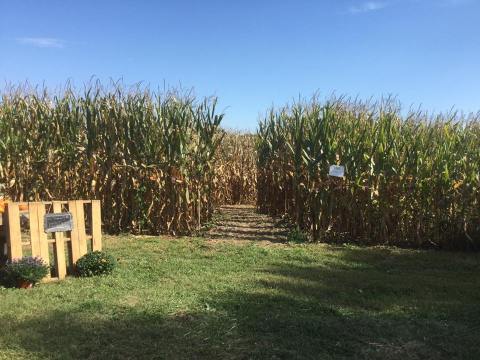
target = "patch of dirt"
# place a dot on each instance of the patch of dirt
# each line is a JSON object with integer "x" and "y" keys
{"x": 241, "y": 224}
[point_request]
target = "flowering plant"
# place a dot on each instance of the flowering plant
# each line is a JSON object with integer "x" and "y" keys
{"x": 95, "y": 263}
{"x": 29, "y": 270}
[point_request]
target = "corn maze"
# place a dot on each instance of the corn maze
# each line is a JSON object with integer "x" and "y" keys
{"x": 235, "y": 170}
{"x": 410, "y": 180}
{"x": 147, "y": 157}
{"x": 161, "y": 163}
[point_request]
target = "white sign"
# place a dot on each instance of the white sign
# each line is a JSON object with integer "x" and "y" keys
{"x": 58, "y": 222}
{"x": 337, "y": 170}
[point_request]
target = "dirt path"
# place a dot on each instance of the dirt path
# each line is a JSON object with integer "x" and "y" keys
{"x": 241, "y": 223}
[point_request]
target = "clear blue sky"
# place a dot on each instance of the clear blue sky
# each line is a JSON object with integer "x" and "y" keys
{"x": 253, "y": 54}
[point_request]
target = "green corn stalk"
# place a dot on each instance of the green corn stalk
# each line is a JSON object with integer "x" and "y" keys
{"x": 137, "y": 151}
{"x": 411, "y": 180}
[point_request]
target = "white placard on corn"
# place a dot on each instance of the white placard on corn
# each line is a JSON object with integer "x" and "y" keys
{"x": 337, "y": 171}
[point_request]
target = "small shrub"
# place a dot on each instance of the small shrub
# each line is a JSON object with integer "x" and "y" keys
{"x": 95, "y": 263}
{"x": 297, "y": 236}
{"x": 24, "y": 272}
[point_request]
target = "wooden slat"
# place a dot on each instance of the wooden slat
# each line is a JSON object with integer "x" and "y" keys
{"x": 78, "y": 235}
{"x": 60, "y": 246}
{"x": 41, "y": 233}
{"x": 63, "y": 202}
{"x": 4, "y": 232}
{"x": 96, "y": 226}
{"x": 74, "y": 233}
{"x": 34, "y": 231}
{"x": 44, "y": 253}
{"x": 80, "y": 222}
{"x": 14, "y": 231}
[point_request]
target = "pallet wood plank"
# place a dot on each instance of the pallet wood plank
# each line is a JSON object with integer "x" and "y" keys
{"x": 34, "y": 230}
{"x": 96, "y": 226}
{"x": 14, "y": 231}
{"x": 80, "y": 222}
{"x": 4, "y": 230}
{"x": 44, "y": 253}
{"x": 74, "y": 233}
{"x": 59, "y": 246}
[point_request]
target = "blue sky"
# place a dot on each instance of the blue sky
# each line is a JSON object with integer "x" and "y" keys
{"x": 253, "y": 54}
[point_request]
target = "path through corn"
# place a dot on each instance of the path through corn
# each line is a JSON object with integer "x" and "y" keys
{"x": 241, "y": 223}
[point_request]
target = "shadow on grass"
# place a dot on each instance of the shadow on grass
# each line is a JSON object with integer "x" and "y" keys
{"x": 371, "y": 304}
{"x": 364, "y": 304}
{"x": 77, "y": 335}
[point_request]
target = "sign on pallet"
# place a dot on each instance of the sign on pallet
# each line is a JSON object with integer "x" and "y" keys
{"x": 58, "y": 222}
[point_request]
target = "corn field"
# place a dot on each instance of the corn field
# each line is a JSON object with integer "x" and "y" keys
{"x": 148, "y": 157}
{"x": 235, "y": 172}
{"x": 160, "y": 162}
{"x": 410, "y": 180}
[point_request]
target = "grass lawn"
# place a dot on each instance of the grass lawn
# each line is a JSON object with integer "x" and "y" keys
{"x": 193, "y": 298}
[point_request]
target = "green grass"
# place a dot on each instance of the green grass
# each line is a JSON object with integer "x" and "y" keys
{"x": 190, "y": 298}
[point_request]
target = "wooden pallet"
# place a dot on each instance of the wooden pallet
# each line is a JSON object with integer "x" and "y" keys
{"x": 76, "y": 239}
